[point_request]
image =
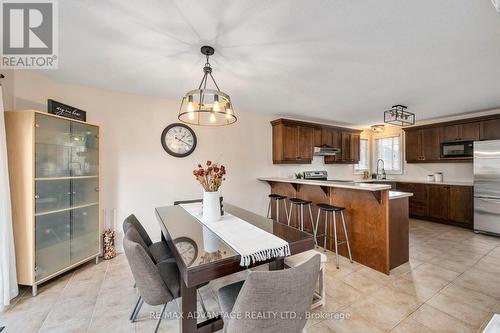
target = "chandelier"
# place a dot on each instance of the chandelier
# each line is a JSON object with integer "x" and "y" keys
{"x": 207, "y": 107}
{"x": 397, "y": 115}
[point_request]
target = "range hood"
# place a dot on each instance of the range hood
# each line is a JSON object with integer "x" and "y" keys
{"x": 325, "y": 150}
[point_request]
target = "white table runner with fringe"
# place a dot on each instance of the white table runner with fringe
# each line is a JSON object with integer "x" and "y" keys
{"x": 252, "y": 243}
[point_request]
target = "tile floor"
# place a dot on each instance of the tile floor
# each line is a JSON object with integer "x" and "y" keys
{"x": 451, "y": 284}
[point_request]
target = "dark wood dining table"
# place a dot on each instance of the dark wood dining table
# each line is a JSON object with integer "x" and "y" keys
{"x": 185, "y": 236}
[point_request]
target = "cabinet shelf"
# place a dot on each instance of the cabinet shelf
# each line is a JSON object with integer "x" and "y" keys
{"x": 64, "y": 178}
{"x": 66, "y": 209}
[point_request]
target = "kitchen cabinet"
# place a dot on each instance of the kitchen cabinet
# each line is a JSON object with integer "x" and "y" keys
{"x": 422, "y": 145}
{"x": 461, "y": 207}
{"x": 460, "y": 132}
{"x": 490, "y": 129}
{"x": 294, "y": 141}
{"x": 418, "y": 202}
{"x": 449, "y": 204}
{"x": 438, "y": 197}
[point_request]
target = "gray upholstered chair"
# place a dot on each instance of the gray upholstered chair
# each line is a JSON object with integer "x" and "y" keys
{"x": 157, "y": 283}
{"x": 158, "y": 251}
{"x": 283, "y": 292}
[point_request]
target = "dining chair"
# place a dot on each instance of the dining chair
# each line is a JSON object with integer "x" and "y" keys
{"x": 157, "y": 283}
{"x": 159, "y": 251}
{"x": 287, "y": 293}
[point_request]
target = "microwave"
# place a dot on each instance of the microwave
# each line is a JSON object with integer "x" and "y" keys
{"x": 457, "y": 149}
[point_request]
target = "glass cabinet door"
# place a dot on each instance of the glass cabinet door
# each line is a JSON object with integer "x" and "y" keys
{"x": 84, "y": 233}
{"x": 85, "y": 150}
{"x": 52, "y": 194}
{"x": 84, "y": 191}
{"x": 52, "y": 147}
{"x": 52, "y": 243}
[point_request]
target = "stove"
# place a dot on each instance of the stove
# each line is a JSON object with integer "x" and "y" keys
{"x": 316, "y": 175}
{"x": 323, "y": 175}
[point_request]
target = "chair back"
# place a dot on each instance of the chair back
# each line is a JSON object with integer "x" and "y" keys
{"x": 286, "y": 293}
{"x": 180, "y": 202}
{"x": 146, "y": 274}
{"x": 131, "y": 220}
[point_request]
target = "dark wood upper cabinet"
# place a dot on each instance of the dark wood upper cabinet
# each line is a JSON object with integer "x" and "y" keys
{"x": 430, "y": 144}
{"x": 423, "y": 143}
{"x": 294, "y": 141}
{"x": 413, "y": 146}
{"x": 460, "y": 132}
{"x": 490, "y": 129}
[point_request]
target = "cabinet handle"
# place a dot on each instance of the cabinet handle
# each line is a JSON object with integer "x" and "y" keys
{"x": 37, "y": 125}
{"x": 37, "y": 196}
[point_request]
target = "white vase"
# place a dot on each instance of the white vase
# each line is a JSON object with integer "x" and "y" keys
{"x": 211, "y": 242}
{"x": 211, "y": 206}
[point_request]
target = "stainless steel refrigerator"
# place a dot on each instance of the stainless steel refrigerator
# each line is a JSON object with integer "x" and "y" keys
{"x": 487, "y": 187}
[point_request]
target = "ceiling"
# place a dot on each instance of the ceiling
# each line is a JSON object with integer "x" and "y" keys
{"x": 326, "y": 60}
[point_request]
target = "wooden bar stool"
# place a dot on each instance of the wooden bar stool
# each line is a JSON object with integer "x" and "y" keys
{"x": 326, "y": 208}
{"x": 277, "y": 198}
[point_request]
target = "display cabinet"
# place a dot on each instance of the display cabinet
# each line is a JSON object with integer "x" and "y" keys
{"x": 54, "y": 183}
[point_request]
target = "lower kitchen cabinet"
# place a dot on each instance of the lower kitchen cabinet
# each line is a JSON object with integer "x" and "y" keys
{"x": 448, "y": 204}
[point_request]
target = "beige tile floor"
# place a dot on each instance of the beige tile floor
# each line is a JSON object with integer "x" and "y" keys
{"x": 451, "y": 284}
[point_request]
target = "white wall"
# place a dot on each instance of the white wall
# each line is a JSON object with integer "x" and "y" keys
{"x": 138, "y": 175}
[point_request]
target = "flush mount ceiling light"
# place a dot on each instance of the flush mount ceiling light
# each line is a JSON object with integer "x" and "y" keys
{"x": 378, "y": 128}
{"x": 397, "y": 115}
{"x": 207, "y": 107}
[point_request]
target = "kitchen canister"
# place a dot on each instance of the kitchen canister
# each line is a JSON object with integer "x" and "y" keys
{"x": 438, "y": 177}
{"x": 430, "y": 178}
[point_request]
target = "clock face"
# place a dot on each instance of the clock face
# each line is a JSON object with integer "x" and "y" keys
{"x": 178, "y": 140}
{"x": 187, "y": 249}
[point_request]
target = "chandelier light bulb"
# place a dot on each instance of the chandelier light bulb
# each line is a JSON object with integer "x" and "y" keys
{"x": 216, "y": 107}
{"x": 191, "y": 115}
{"x": 190, "y": 106}
{"x": 212, "y": 117}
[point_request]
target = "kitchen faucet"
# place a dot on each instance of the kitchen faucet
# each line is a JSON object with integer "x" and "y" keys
{"x": 381, "y": 175}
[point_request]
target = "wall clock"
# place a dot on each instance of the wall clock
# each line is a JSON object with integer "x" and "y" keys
{"x": 187, "y": 249}
{"x": 178, "y": 140}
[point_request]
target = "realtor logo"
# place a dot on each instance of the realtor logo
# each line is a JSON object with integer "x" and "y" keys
{"x": 29, "y": 34}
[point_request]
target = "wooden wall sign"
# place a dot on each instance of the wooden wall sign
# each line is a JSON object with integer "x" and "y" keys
{"x": 60, "y": 109}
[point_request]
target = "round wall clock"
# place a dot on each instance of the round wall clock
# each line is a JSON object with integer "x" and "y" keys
{"x": 178, "y": 140}
{"x": 187, "y": 249}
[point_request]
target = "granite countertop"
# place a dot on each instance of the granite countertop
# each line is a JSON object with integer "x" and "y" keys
{"x": 420, "y": 181}
{"x": 347, "y": 185}
{"x": 399, "y": 194}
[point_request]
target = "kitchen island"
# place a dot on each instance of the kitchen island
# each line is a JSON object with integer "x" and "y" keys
{"x": 376, "y": 218}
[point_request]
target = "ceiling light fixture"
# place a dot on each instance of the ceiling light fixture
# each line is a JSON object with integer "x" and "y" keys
{"x": 378, "y": 128}
{"x": 207, "y": 107}
{"x": 397, "y": 115}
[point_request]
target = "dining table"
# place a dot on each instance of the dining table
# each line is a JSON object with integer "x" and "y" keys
{"x": 200, "y": 262}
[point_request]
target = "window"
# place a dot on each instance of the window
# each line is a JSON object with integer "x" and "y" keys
{"x": 389, "y": 150}
{"x": 363, "y": 156}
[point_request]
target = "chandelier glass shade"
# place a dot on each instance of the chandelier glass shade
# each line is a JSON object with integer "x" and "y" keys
{"x": 205, "y": 106}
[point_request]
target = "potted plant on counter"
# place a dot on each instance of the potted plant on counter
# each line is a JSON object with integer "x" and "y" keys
{"x": 211, "y": 178}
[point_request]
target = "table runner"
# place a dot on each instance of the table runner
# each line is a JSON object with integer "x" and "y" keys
{"x": 252, "y": 243}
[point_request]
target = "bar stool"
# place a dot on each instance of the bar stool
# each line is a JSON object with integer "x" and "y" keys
{"x": 326, "y": 208}
{"x": 278, "y": 198}
{"x": 299, "y": 205}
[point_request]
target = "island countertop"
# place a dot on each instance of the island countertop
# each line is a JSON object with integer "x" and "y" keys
{"x": 327, "y": 183}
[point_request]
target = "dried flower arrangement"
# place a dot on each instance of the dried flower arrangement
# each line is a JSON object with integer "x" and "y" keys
{"x": 210, "y": 177}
